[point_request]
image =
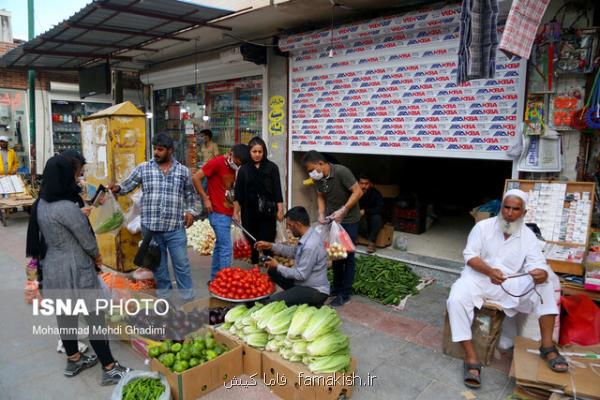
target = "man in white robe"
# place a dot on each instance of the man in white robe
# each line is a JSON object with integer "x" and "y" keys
{"x": 497, "y": 249}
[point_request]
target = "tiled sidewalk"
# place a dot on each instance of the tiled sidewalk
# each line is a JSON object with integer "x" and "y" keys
{"x": 401, "y": 348}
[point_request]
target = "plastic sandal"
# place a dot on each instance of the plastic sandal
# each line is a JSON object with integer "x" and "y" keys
{"x": 552, "y": 363}
{"x": 471, "y": 380}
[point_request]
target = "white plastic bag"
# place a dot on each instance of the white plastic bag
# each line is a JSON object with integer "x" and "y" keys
{"x": 108, "y": 217}
{"x": 339, "y": 243}
{"x": 117, "y": 393}
{"x": 133, "y": 217}
{"x": 281, "y": 233}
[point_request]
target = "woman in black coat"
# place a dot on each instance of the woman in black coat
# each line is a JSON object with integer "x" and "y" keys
{"x": 258, "y": 197}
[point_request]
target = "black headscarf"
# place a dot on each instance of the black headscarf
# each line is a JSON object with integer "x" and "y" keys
{"x": 58, "y": 183}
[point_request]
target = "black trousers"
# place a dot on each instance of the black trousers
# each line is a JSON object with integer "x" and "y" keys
{"x": 262, "y": 227}
{"x": 294, "y": 294}
{"x": 99, "y": 342}
{"x": 370, "y": 225}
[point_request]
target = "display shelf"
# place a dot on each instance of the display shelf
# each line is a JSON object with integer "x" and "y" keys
{"x": 558, "y": 224}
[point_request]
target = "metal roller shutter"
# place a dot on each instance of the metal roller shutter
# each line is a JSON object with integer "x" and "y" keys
{"x": 390, "y": 88}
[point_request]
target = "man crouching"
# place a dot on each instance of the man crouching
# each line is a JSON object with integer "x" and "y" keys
{"x": 498, "y": 249}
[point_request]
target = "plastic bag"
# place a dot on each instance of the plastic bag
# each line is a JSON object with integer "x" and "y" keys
{"x": 108, "y": 217}
{"x": 133, "y": 216}
{"x": 581, "y": 321}
{"x": 339, "y": 244}
{"x": 241, "y": 246}
{"x": 117, "y": 393}
{"x": 32, "y": 291}
{"x": 141, "y": 274}
{"x": 281, "y": 233}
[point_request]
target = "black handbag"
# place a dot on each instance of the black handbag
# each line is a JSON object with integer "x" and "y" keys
{"x": 148, "y": 255}
{"x": 266, "y": 206}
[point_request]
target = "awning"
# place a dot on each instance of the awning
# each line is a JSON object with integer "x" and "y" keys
{"x": 105, "y": 29}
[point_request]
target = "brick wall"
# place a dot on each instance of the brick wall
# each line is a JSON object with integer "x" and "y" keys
{"x": 17, "y": 79}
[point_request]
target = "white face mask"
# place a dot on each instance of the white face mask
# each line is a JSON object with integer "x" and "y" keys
{"x": 316, "y": 175}
{"x": 232, "y": 165}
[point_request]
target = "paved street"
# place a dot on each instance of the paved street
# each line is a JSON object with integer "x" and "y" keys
{"x": 402, "y": 349}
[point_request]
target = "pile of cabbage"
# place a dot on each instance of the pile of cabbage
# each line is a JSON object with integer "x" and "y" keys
{"x": 299, "y": 333}
{"x": 201, "y": 237}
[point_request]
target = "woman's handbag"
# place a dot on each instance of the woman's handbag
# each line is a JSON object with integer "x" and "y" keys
{"x": 266, "y": 206}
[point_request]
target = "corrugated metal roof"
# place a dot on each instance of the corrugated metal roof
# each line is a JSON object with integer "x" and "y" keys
{"x": 104, "y": 29}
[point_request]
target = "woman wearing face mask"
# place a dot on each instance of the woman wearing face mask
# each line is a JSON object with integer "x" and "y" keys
{"x": 258, "y": 198}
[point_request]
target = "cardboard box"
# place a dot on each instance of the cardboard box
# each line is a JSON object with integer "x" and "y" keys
{"x": 481, "y": 215}
{"x": 251, "y": 357}
{"x": 487, "y": 326}
{"x": 388, "y": 191}
{"x": 294, "y": 381}
{"x": 384, "y": 238}
{"x": 532, "y": 372}
{"x": 198, "y": 381}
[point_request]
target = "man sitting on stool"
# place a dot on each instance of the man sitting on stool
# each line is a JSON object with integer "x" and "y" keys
{"x": 371, "y": 211}
{"x": 497, "y": 249}
{"x": 306, "y": 282}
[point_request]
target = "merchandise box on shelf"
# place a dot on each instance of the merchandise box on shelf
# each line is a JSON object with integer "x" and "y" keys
{"x": 202, "y": 379}
{"x": 294, "y": 381}
{"x": 563, "y": 212}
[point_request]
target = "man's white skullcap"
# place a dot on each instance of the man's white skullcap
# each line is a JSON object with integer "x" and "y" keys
{"x": 3, "y": 139}
{"x": 517, "y": 193}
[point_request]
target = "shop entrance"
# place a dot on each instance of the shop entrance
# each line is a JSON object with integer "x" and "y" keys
{"x": 442, "y": 192}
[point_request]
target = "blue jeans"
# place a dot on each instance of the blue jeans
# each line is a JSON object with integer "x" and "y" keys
{"x": 222, "y": 253}
{"x": 344, "y": 270}
{"x": 173, "y": 243}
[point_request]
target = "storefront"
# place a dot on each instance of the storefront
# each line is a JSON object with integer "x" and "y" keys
{"x": 59, "y": 114}
{"x": 14, "y": 120}
{"x": 381, "y": 97}
{"x": 227, "y": 98}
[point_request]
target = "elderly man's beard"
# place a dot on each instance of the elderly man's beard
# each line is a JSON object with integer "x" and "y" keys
{"x": 510, "y": 228}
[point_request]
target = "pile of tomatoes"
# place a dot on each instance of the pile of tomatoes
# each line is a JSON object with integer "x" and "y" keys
{"x": 237, "y": 283}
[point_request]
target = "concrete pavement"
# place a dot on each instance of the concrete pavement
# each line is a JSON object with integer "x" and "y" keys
{"x": 401, "y": 348}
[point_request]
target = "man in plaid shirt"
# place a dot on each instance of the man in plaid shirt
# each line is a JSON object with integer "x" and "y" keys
{"x": 167, "y": 190}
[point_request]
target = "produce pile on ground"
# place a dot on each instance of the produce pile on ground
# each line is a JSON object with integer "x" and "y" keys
{"x": 383, "y": 280}
{"x": 201, "y": 237}
{"x": 116, "y": 281}
{"x": 143, "y": 389}
{"x": 195, "y": 350}
{"x": 299, "y": 333}
{"x": 236, "y": 283}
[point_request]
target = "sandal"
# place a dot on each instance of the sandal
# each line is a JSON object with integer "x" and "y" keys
{"x": 552, "y": 363}
{"x": 471, "y": 380}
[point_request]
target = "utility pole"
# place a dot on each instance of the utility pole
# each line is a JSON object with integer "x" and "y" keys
{"x": 31, "y": 87}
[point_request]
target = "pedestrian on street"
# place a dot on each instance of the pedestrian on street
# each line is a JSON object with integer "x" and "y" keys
{"x": 371, "y": 211}
{"x": 258, "y": 198}
{"x": 208, "y": 148}
{"x": 8, "y": 158}
{"x": 71, "y": 262}
{"x": 338, "y": 195}
{"x": 167, "y": 195}
{"x": 306, "y": 282}
{"x": 218, "y": 202}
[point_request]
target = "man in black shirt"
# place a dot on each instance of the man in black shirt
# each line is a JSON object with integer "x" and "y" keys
{"x": 371, "y": 211}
